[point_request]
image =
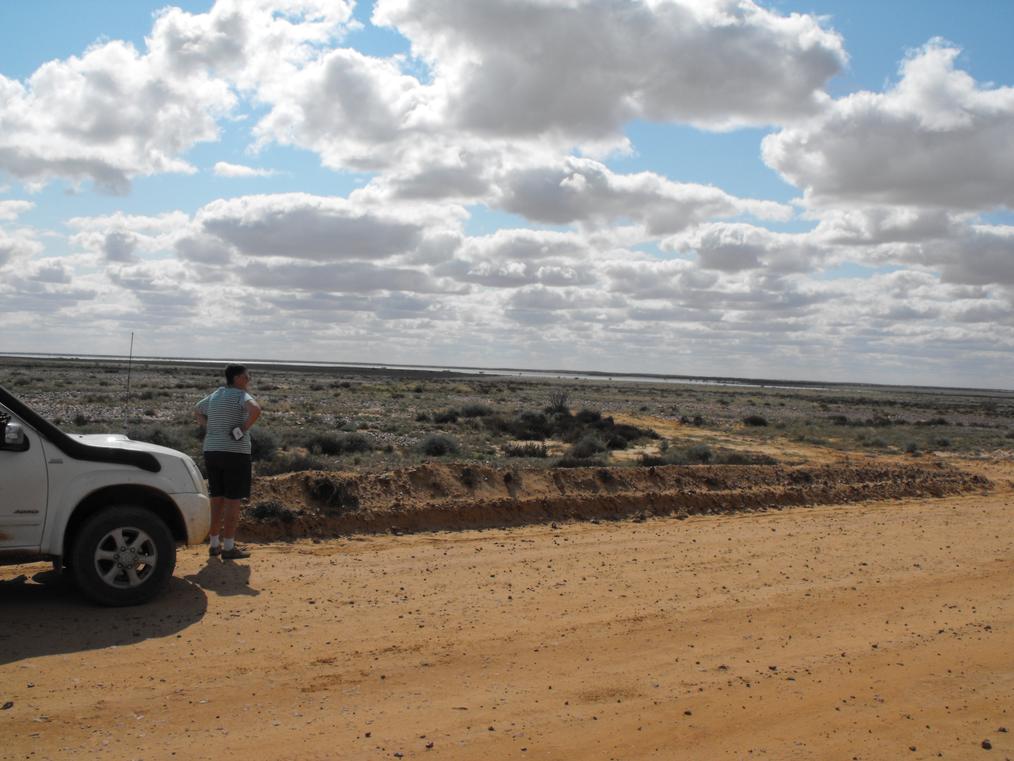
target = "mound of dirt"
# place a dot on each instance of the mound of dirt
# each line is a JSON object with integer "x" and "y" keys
{"x": 457, "y": 496}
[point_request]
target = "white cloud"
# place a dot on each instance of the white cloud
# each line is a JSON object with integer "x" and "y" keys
{"x": 17, "y": 245}
{"x": 253, "y": 43}
{"x": 11, "y": 210}
{"x": 353, "y": 110}
{"x": 225, "y": 169}
{"x": 515, "y": 258}
{"x": 936, "y": 139}
{"x": 582, "y": 190}
{"x": 346, "y": 277}
{"x": 115, "y": 112}
{"x": 582, "y": 68}
{"x": 736, "y": 247}
{"x": 106, "y": 116}
{"x": 123, "y": 238}
{"x": 302, "y": 226}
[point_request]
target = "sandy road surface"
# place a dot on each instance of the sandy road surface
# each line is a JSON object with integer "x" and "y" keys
{"x": 877, "y": 631}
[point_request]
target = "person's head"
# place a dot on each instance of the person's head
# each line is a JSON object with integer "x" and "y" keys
{"x": 236, "y": 375}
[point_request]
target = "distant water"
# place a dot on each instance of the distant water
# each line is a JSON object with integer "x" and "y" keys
{"x": 498, "y": 372}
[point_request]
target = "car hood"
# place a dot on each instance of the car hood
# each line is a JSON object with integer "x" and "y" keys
{"x": 119, "y": 441}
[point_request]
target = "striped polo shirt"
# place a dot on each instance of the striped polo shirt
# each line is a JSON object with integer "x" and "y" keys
{"x": 225, "y": 408}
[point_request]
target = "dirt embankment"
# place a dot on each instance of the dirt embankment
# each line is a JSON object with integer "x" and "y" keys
{"x": 458, "y": 496}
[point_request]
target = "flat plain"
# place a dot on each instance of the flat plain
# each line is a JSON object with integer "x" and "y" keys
{"x": 833, "y": 583}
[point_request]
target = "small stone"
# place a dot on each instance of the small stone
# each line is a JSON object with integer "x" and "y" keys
{"x": 688, "y": 713}
{"x": 987, "y": 745}
{"x": 8, "y": 705}
{"x": 429, "y": 745}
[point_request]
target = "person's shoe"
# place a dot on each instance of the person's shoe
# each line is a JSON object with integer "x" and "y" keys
{"x": 215, "y": 551}
{"x": 236, "y": 553}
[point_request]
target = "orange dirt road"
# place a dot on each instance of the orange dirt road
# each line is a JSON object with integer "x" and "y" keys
{"x": 873, "y": 631}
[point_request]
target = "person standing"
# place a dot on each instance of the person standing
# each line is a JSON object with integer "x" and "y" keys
{"x": 227, "y": 415}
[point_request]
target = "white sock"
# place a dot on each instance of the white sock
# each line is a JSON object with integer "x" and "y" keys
{"x": 230, "y": 543}
{"x": 214, "y": 540}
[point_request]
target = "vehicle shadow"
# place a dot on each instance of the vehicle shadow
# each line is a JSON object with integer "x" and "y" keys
{"x": 224, "y": 578}
{"x": 45, "y": 614}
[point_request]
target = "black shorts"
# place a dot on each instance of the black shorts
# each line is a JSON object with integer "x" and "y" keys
{"x": 228, "y": 474}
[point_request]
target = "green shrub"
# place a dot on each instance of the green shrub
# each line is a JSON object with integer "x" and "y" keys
{"x": 587, "y": 446}
{"x": 263, "y": 444}
{"x": 271, "y": 511}
{"x": 334, "y": 495}
{"x": 476, "y": 410}
{"x": 558, "y": 403}
{"x": 743, "y": 458}
{"x": 527, "y": 449}
{"x": 469, "y": 478}
{"x": 338, "y": 444}
{"x": 438, "y": 445}
{"x": 577, "y": 462}
{"x": 530, "y": 426}
{"x": 289, "y": 463}
{"x": 447, "y": 416}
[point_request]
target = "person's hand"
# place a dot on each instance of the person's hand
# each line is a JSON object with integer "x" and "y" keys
{"x": 237, "y": 433}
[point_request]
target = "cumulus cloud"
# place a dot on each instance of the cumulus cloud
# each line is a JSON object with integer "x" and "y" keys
{"x": 582, "y": 190}
{"x": 225, "y": 169}
{"x": 301, "y": 226}
{"x": 730, "y": 247}
{"x": 11, "y": 210}
{"x": 983, "y": 255}
{"x": 515, "y": 258}
{"x": 254, "y": 43}
{"x": 936, "y": 139}
{"x": 123, "y": 238}
{"x": 17, "y": 245}
{"x": 115, "y": 112}
{"x": 887, "y": 224}
{"x": 346, "y": 277}
{"x": 106, "y": 116}
{"x": 353, "y": 110}
{"x": 528, "y": 67}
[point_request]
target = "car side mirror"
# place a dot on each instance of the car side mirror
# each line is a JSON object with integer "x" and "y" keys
{"x": 14, "y": 439}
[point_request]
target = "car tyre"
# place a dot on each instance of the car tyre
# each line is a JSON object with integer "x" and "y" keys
{"x": 123, "y": 555}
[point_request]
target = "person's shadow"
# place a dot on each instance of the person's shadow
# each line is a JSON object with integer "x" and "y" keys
{"x": 45, "y": 614}
{"x": 224, "y": 578}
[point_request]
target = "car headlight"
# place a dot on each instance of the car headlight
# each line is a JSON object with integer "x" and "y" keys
{"x": 195, "y": 474}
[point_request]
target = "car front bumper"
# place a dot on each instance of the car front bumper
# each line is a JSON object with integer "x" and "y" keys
{"x": 196, "y": 512}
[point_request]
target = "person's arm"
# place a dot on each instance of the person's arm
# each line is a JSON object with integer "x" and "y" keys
{"x": 199, "y": 413}
{"x": 253, "y": 411}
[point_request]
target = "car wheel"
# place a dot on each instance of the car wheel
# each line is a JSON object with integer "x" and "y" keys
{"x": 123, "y": 556}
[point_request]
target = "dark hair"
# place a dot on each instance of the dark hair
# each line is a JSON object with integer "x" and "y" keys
{"x": 232, "y": 371}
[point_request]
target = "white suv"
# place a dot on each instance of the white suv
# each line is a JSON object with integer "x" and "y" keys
{"x": 109, "y": 509}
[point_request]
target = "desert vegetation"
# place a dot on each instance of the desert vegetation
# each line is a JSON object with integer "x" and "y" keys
{"x": 373, "y": 419}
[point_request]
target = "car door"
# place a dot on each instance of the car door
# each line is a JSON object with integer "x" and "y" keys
{"x": 24, "y": 483}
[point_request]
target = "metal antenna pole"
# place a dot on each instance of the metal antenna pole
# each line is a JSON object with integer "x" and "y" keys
{"x": 126, "y": 401}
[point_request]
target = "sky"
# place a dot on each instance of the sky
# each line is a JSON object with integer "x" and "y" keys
{"x": 797, "y": 189}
